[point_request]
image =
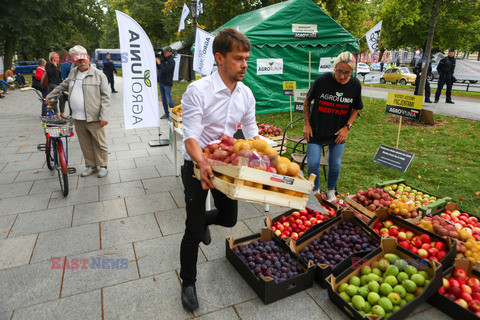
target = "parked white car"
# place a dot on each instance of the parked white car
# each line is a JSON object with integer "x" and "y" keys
{"x": 363, "y": 69}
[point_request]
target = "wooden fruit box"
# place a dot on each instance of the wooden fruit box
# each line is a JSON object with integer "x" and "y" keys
{"x": 239, "y": 191}
{"x": 177, "y": 121}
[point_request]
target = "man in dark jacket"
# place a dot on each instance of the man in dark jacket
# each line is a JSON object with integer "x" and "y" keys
{"x": 445, "y": 69}
{"x": 167, "y": 66}
{"x": 418, "y": 71}
{"x": 109, "y": 69}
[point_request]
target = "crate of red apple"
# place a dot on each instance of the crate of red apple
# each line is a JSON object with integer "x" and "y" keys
{"x": 459, "y": 225}
{"x": 253, "y": 171}
{"x": 268, "y": 131}
{"x": 459, "y": 297}
{"x": 295, "y": 223}
{"x": 421, "y": 242}
{"x": 367, "y": 201}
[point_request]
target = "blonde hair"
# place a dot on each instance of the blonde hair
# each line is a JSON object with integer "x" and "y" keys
{"x": 42, "y": 62}
{"x": 346, "y": 57}
{"x": 50, "y": 55}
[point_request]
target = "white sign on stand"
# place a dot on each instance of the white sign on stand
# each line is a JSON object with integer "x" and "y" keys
{"x": 372, "y": 78}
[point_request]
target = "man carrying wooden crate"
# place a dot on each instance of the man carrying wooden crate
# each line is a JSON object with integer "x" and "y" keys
{"x": 212, "y": 106}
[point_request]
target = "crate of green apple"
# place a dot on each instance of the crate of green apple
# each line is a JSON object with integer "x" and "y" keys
{"x": 421, "y": 242}
{"x": 268, "y": 266}
{"x": 333, "y": 245}
{"x": 389, "y": 282}
{"x": 424, "y": 202}
{"x": 459, "y": 296}
{"x": 296, "y": 223}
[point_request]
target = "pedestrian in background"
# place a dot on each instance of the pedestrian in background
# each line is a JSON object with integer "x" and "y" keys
{"x": 418, "y": 71}
{"x": 167, "y": 66}
{"x": 446, "y": 68}
{"x": 109, "y": 70}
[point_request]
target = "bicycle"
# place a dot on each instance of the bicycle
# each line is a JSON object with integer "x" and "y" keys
{"x": 56, "y": 155}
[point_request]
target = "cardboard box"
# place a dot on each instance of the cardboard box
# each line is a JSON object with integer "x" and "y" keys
{"x": 423, "y": 209}
{"x": 449, "y": 307}
{"x": 266, "y": 288}
{"x": 388, "y": 245}
{"x": 450, "y": 244}
{"x": 241, "y": 174}
{"x": 269, "y": 222}
{"x": 324, "y": 270}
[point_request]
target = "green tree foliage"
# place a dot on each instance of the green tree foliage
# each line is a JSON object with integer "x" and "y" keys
{"x": 33, "y": 28}
{"x": 406, "y": 23}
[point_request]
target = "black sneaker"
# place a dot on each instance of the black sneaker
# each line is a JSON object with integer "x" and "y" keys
{"x": 450, "y": 102}
{"x": 189, "y": 297}
{"x": 436, "y": 101}
{"x": 428, "y": 101}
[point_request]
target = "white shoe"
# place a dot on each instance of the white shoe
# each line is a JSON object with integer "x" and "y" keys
{"x": 89, "y": 171}
{"x": 102, "y": 172}
{"x": 331, "y": 195}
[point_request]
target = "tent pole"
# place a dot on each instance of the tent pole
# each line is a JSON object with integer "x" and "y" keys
{"x": 309, "y": 67}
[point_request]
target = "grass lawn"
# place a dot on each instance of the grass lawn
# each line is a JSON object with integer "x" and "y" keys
{"x": 446, "y": 161}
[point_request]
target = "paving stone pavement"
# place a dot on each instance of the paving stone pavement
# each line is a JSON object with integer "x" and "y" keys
{"x": 120, "y": 234}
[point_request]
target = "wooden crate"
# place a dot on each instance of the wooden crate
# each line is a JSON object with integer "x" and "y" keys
{"x": 238, "y": 190}
{"x": 177, "y": 121}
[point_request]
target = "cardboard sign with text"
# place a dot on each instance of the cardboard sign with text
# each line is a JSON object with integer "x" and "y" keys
{"x": 288, "y": 87}
{"x": 405, "y": 105}
{"x": 298, "y": 99}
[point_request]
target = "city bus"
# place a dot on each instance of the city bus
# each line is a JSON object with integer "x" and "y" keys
{"x": 100, "y": 55}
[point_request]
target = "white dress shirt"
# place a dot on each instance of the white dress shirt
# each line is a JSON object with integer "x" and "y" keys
{"x": 210, "y": 109}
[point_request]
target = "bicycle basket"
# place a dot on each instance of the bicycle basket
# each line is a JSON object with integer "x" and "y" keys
{"x": 57, "y": 127}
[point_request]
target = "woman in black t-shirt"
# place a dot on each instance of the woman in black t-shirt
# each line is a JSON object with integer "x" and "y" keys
{"x": 337, "y": 98}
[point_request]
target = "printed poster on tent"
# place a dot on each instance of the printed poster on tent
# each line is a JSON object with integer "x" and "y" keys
{"x": 140, "y": 92}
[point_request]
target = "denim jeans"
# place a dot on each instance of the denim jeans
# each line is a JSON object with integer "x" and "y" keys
{"x": 314, "y": 153}
{"x": 4, "y": 84}
{"x": 167, "y": 101}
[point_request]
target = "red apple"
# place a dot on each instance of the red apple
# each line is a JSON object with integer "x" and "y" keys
{"x": 402, "y": 236}
{"x": 432, "y": 252}
{"x": 409, "y": 234}
{"x": 472, "y": 281}
{"x": 459, "y": 273}
{"x": 446, "y": 283}
{"x": 441, "y": 255}
{"x": 465, "y": 296}
{"x": 388, "y": 223}
{"x": 283, "y": 219}
{"x": 404, "y": 243}
{"x": 393, "y": 232}
{"x": 453, "y": 283}
{"x": 303, "y": 212}
{"x": 462, "y": 303}
{"x": 475, "y": 289}
{"x": 426, "y": 246}
{"x": 456, "y": 291}
{"x": 384, "y": 233}
{"x": 474, "y": 305}
{"x": 439, "y": 245}
{"x": 442, "y": 290}
{"x": 378, "y": 225}
{"x": 423, "y": 253}
{"x": 466, "y": 289}
{"x": 402, "y": 229}
{"x": 296, "y": 214}
{"x": 433, "y": 258}
{"x": 416, "y": 241}
{"x": 413, "y": 249}
{"x": 308, "y": 224}
{"x": 425, "y": 238}
{"x": 476, "y": 295}
{"x": 450, "y": 296}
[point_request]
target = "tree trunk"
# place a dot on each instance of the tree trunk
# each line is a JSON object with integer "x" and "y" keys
{"x": 8, "y": 49}
{"x": 428, "y": 47}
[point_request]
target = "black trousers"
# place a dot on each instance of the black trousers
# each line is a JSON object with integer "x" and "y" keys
{"x": 427, "y": 88}
{"x": 444, "y": 79}
{"x": 111, "y": 80}
{"x": 225, "y": 215}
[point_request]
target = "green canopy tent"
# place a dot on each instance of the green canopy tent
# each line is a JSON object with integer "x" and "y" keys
{"x": 282, "y": 35}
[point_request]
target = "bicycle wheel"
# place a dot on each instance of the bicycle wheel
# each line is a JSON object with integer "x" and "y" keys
{"x": 48, "y": 154}
{"x": 63, "y": 168}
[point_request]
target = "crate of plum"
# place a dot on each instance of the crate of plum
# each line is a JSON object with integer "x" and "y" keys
{"x": 388, "y": 283}
{"x": 421, "y": 242}
{"x": 411, "y": 202}
{"x": 332, "y": 247}
{"x": 459, "y": 296}
{"x": 367, "y": 201}
{"x": 268, "y": 266}
{"x": 296, "y": 224}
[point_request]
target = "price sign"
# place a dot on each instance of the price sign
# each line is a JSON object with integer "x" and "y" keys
{"x": 405, "y": 105}
{"x": 393, "y": 158}
{"x": 288, "y": 87}
{"x": 298, "y": 99}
